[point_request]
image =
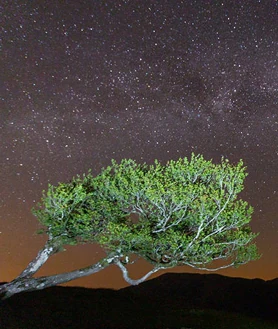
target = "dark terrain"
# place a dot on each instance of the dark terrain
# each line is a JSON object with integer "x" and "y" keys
{"x": 169, "y": 301}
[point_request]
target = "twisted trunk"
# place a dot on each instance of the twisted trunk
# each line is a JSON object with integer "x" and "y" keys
{"x": 51, "y": 247}
{"x": 24, "y": 284}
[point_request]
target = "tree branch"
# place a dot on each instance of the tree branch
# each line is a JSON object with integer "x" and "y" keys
{"x": 131, "y": 281}
{"x": 42, "y": 256}
{"x": 23, "y": 284}
{"x": 210, "y": 269}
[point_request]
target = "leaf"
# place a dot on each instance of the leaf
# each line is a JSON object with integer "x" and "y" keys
{"x": 187, "y": 211}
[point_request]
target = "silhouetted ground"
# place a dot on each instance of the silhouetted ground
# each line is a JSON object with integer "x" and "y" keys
{"x": 169, "y": 301}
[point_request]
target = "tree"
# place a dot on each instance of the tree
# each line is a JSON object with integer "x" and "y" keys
{"x": 183, "y": 213}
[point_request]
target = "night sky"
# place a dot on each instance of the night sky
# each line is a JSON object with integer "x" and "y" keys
{"x": 86, "y": 81}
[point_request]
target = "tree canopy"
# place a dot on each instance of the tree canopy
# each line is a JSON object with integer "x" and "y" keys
{"x": 185, "y": 212}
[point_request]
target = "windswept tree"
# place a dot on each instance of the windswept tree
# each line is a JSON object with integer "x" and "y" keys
{"x": 183, "y": 213}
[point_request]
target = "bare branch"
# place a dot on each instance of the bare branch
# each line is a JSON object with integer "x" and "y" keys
{"x": 131, "y": 281}
{"x": 21, "y": 284}
{"x": 42, "y": 256}
{"x": 210, "y": 269}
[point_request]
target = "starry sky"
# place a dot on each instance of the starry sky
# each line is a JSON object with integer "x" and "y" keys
{"x": 86, "y": 81}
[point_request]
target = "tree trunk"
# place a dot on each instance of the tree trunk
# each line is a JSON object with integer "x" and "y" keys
{"x": 27, "y": 283}
{"x": 49, "y": 249}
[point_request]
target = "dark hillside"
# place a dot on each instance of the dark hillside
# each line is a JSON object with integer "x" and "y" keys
{"x": 255, "y": 297}
{"x": 143, "y": 306}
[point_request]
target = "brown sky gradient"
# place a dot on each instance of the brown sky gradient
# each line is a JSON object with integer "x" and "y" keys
{"x": 84, "y": 83}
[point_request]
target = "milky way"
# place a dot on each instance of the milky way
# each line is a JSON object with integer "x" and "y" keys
{"x": 88, "y": 81}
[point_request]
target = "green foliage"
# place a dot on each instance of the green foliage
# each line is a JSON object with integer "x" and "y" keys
{"x": 184, "y": 212}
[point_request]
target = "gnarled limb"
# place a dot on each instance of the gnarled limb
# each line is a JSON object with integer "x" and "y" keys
{"x": 25, "y": 283}
{"x": 49, "y": 249}
{"x": 138, "y": 281}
